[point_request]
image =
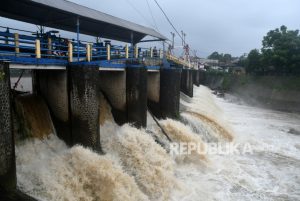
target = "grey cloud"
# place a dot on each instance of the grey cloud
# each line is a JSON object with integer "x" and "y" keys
{"x": 231, "y": 26}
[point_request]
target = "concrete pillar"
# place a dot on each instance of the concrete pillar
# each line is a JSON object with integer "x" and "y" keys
{"x": 196, "y": 77}
{"x": 7, "y": 145}
{"x": 14, "y": 195}
{"x": 53, "y": 87}
{"x": 187, "y": 82}
{"x": 136, "y": 95}
{"x": 84, "y": 105}
{"x": 169, "y": 94}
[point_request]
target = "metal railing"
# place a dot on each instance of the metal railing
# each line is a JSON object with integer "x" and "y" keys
{"x": 181, "y": 61}
{"x": 26, "y": 44}
{"x": 47, "y": 46}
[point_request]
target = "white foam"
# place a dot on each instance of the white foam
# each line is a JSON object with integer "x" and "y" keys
{"x": 272, "y": 172}
{"x": 142, "y": 158}
{"x": 49, "y": 170}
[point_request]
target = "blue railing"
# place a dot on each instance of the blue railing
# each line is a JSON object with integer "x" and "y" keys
{"x": 20, "y": 46}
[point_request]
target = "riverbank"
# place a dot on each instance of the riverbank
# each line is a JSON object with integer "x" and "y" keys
{"x": 274, "y": 92}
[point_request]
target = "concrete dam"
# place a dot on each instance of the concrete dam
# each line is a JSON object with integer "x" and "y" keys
{"x": 68, "y": 78}
{"x": 110, "y": 120}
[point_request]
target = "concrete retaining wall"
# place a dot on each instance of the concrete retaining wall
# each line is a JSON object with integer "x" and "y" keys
{"x": 275, "y": 92}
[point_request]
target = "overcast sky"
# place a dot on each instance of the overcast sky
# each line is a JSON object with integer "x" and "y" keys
{"x": 226, "y": 26}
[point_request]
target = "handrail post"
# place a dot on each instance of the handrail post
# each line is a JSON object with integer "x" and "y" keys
{"x": 108, "y": 52}
{"x": 37, "y": 49}
{"x": 17, "y": 44}
{"x": 136, "y": 51}
{"x": 88, "y": 52}
{"x": 49, "y": 52}
{"x": 6, "y": 37}
{"x": 151, "y": 52}
{"x": 126, "y": 51}
{"x": 70, "y": 51}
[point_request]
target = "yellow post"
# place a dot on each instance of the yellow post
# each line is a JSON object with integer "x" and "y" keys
{"x": 70, "y": 51}
{"x": 136, "y": 51}
{"x": 17, "y": 43}
{"x": 88, "y": 52}
{"x": 37, "y": 49}
{"x": 126, "y": 51}
{"x": 151, "y": 52}
{"x": 91, "y": 51}
{"x": 49, "y": 52}
{"x": 108, "y": 51}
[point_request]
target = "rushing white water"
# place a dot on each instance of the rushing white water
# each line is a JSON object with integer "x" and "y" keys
{"x": 135, "y": 167}
{"x": 270, "y": 172}
{"x": 142, "y": 158}
{"x": 49, "y": 170}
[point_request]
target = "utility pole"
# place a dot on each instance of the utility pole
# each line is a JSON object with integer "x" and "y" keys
{"x": 173, "y": 36}
{"x": 183, "y": 38}
{"x": 195, "y": 53}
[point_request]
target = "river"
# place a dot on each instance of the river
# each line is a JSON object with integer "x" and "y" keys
{"x": 264, "y": 166}
{"x": 270, "y": 172}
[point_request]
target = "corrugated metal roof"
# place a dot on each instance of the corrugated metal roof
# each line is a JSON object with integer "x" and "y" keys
{"x": 62, "y": 14}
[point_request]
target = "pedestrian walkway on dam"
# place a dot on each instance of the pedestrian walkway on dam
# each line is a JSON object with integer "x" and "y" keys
{"x": 49, "y": 49}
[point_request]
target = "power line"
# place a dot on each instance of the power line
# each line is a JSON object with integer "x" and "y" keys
{"x": 168, "y": 19}
{"x": 137, "y": 10}
{"x": 152, "y": 15}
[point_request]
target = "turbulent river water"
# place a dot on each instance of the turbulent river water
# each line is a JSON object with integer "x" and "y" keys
{"x": 265, "y": 163}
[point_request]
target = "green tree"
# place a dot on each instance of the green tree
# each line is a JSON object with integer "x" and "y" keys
{"x": 215, "y": 56}
{"x": 242, "y": 60}
{"x": 254, "y": 62}
{"x": 281, "y": 50}
{"x": 226, "y": 58}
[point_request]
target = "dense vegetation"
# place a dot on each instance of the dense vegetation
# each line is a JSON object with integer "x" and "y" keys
{"x": 279, "y": 55}
{"x": 225, "y": 58}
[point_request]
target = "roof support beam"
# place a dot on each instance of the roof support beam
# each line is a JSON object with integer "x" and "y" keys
{"x": 154, "y": 40}
{"x": 49, "y": 23}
